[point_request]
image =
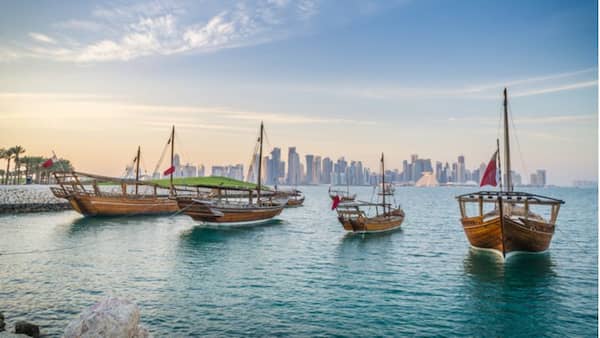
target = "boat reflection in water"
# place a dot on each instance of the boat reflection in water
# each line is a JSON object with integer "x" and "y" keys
{"x": 525, "y": 269}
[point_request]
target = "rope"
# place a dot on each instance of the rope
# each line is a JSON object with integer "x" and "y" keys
{"x": 512, "y": 122}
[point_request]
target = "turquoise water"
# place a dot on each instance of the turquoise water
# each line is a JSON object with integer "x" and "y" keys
{"x": 302, "y": 275}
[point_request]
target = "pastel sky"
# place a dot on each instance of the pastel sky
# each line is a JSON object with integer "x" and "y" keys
{"x": 93, "y": 80}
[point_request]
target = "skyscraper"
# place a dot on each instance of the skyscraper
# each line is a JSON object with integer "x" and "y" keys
{"x": 317, "y": 178}
{"x": 310, "y": 169}
{"x": 327, "y": 170}
{"x": 293, "y": 177}
{"x": 460, "y": 170}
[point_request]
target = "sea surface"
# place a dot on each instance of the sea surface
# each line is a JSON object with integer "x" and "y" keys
{"x": 302, "y": 275}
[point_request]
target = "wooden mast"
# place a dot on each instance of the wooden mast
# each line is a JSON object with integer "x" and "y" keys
{"x": 260, "y": 160}
{"x": 508, "y": 182}
{"x": 137, "y": 170}
{"x": 172, "y": 154}
{"x": 383, "y": 182}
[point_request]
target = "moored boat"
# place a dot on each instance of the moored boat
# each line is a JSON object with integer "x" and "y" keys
{"x": 512, "y": 225}
{"x": 354, "y": 217}
{"x": 220, "y": 208}
{"x": 86, "y": 195}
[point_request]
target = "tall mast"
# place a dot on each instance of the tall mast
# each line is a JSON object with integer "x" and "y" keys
{"x": 172, "y": 154}
{"x": 508, "y": 183}
{"x": 383, "y": 182}
{"x": 137, "y": 170}
{"x": 260, "y": 159}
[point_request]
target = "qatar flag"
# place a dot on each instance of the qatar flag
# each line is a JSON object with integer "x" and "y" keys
{"x": 489, "y": 176}
{"x": 169, "y": 171}
{"x": 48, "y": 163}
{"x": 336, "y": 202}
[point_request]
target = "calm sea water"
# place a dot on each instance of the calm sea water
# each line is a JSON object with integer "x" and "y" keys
{"x": 302, "y": 275}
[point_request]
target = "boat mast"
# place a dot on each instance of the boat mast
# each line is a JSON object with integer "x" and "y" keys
{"x": 137, "y": 170}
{"x": 383, "y": 182}
{"x": 172, "y": 154}
{"x": 260, "y": 160}
{"x": 508, "y": 182}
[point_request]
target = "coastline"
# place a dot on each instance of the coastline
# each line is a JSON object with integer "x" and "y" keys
{"x": 17, "y": 199}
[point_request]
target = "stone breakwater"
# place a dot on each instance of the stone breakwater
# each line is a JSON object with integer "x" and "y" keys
{"x": 29, "y": 198}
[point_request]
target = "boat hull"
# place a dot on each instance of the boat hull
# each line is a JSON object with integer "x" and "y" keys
{"x": 291, "y": 203}
{"x": 122, "y": 205}
{"x": 374, "y": 224}
{"x": 221, "y": 214}
{"x": 515, "y": 235}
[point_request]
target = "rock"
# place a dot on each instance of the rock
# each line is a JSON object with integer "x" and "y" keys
{"x": 2, "y": 323}
{"x": 111, "y": 317}
{"x": 27, "y": 328}
{"x": 12, "y": 335}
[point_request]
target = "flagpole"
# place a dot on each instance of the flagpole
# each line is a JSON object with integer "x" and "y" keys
{"x": 172, "y": 150}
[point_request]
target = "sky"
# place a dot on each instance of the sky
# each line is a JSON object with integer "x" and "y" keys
{"x": 92, "y": 80}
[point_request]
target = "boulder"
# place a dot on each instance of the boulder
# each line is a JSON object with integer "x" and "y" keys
{"x": 2, "y": 323}
{"x": 27, "y": 328}
{"x": 5, "y": 334}
{"x": 111, "y": 317}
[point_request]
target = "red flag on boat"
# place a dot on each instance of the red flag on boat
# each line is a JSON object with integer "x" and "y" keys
{"x": 48, "y": 163}
{"x": 489, "y": 176}
{"x": 169, "y": 171}
{"x": 336, "y": 202}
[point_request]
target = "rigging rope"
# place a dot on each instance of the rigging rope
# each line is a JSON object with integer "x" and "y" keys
{"x": 512, "y": 122}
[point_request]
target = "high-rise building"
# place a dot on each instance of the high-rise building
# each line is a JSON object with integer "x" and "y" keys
{"x": 327, "y": 171}
{"x": 438, "y": 171}
{"x": 310, "y": 169}
{"x": 461, "y": 176}
{"x": 317, "y": 177}
{"x": 294, "y": 173}
{"x": 541, "y": 177}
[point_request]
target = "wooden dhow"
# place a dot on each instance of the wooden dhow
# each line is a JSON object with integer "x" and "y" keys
{"x": 222, "y": 209}
{"x": 295, "y": 197}
{"x": 512, "y": 225}
{"x": 133, "y": 196}
{"x": 354, "y": 218}
{"x": 343, "y": 195}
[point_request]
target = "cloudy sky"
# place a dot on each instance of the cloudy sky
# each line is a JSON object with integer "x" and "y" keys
{"x": 93, "y": 80}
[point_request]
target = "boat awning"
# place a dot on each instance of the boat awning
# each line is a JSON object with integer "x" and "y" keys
{"x": 508, "y": 196}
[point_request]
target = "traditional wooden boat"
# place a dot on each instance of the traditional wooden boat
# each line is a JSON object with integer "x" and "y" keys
{"x": 223, "y": 209}
{"x": 86, "y": 195}
{"x": 354, "y": 218}
{"x": 343, "y": 195}
{"x": 512, "y": 225}
{"x": 295, "y": 197}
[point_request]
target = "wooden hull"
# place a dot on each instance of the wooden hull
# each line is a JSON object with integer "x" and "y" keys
{"x": 294, "y": 202}
{"x": 223, "y": 214}
{"x": 517, "y": 235}
{"x": 90, "y": 205}
{"x": 373, "y": 224}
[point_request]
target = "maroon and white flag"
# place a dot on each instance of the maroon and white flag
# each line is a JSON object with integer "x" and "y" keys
{"x": 169, "y": 171}
{"x": 489, "y": 176}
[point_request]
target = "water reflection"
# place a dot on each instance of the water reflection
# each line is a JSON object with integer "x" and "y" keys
{"x": 489, "y": 266}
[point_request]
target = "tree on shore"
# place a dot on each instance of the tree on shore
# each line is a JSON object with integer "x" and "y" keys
{"x": 17, "y": 150}
{"x": 7, "y": 155}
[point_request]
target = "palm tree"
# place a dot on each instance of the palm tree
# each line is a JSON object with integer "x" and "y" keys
{"x": 35, "y": 165}
{"x": 3, "y": 155}
{"x": 7, "y": 154}
{"x": 17, "y": 150}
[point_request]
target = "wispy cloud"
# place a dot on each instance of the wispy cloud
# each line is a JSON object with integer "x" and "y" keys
{"x": 184, "y": 114}
{"x": 42, "y": 38}
{"x": 155, "y": 28}
{"x": 528, "y": 120}
{"x": 527, "y": 86}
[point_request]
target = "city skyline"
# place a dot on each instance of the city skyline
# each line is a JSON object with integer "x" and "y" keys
{"x": 318, "y": 169}
{"x": 94, "y": 80}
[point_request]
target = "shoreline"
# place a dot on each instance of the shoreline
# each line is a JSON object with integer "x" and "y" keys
{"x": 34, "y": 198}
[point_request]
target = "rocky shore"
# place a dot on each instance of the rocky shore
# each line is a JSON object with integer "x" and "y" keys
{"x": 29, "y": 198}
